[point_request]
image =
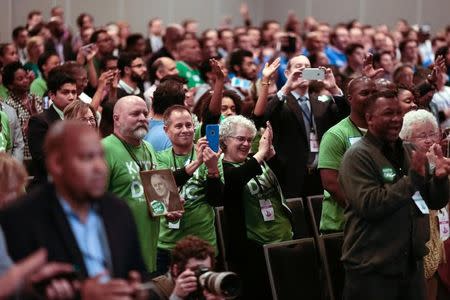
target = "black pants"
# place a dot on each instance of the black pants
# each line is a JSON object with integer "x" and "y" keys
{"x": 253, "y": 272}
{"x": 376, "y": 286}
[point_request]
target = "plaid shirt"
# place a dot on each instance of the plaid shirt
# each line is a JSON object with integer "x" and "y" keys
{"x": 24, "y": 111}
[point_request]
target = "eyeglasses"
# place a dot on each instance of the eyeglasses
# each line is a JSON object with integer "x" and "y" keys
{"x": 90, "y": 120}
{"x": 424, "y": 136}
{"x": 242, "y": 139}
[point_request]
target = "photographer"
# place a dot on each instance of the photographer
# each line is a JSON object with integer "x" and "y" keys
{"x": 181, "y": 282}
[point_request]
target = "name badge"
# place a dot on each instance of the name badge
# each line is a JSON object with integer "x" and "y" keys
{"x": 444, "y": 230}
{"x": 267, "y": 210}
{"x": 174, "y": 225}
{"x": 313, "y": 142}
{"x": 353, "y": 140}
{"x": 388, "y": 174}
{"x": 420, "y": 203}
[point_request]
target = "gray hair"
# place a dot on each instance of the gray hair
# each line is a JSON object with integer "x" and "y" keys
{"x": 229, "y": 126}
{"x": 417, "y": 117}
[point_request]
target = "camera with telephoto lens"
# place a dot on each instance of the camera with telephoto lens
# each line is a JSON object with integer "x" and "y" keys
{"x": 224, "y": 284}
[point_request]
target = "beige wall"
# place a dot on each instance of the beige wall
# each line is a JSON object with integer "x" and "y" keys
{"x": 211, "y": 12}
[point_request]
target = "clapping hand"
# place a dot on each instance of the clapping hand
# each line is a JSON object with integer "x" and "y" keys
{"x": 442, "y": 164}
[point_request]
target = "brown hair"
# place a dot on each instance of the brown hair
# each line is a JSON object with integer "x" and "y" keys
{"x": 77, "y": 108}
{"x": 191, "y": 247}
{"x": 12, "y": 174}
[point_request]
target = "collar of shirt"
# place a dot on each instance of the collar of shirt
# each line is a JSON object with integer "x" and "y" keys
{"x": 59, "y": 112}
{"x": 90, "y": 237}
{"x": 128, "y": 88}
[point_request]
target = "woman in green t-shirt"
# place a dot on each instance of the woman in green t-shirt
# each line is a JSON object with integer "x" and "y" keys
{"x": 254, "y": 206}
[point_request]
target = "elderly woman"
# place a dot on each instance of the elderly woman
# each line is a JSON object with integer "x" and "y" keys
{"x": 254, "y": 206}
{"x": 421, "y": 129}
{"x": 79, "y": 110}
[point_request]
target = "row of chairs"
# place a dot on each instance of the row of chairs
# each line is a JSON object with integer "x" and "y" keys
{"x": 307, "y": 267}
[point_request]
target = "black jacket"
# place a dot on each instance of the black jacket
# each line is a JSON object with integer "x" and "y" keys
{"x": 38, "y": 221}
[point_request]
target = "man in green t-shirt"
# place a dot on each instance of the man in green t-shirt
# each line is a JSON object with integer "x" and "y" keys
{"x": 332, "y": 148}
{"x": 190, "y": 57}
{"x": 201, "y": 186}
{"x": 126, "y": 155}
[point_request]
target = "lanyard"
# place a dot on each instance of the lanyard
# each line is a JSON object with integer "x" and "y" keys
{"x": 130, "y": 152}
{"x": 175, "y": 160}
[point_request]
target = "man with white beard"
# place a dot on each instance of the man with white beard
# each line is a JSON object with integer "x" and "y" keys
{"x": 127, "y": 154}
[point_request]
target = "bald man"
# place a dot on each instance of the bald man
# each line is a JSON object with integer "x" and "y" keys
{"x": 126, "y": 155}
{"x": 162, "y": 67}
{"x": 298, "y": 123}
{"x": 62, "y": 215}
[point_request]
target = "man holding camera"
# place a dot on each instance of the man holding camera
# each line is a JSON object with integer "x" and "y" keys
{"x": 298, "y": 123}
{"x": 190, "y": 257}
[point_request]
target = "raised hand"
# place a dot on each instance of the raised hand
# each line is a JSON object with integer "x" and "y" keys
{"x": 439, "y": 69}
{"x": 368, "y": 69}
{"x": 211, "y": 159}
{"x": 218, "y": 69}
{"x": 269, "y": 70}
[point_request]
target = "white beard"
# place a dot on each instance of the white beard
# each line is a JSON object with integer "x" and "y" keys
{"x": 140, "y": 133}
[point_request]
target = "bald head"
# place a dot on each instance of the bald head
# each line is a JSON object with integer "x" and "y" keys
{"x": 64, "y": 135}
{"x": 75, "y": 159}
{"x": 125, "y": 102}
{"x": 130, "y": 119}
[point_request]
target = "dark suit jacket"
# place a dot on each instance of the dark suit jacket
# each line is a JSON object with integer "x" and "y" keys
{"x": 38, "y": 220}
{"x": 67, "y": 49}
{"x": 37, "y": 129}
{"x": 290, "y": 138}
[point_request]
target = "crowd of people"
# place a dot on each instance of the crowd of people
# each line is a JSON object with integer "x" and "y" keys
{"x": 87, "y": 112}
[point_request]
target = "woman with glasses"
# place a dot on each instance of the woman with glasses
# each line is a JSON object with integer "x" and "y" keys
{"x": 79, "y": 110}
{"x": 421, "y": 129}
{"x": 255, "y": 209}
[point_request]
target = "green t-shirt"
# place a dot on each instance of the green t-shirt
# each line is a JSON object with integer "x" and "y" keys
{"x": 332, "y": 148}
{"x": 4, "y": 94}
{"x": 198, "y": 217}
{"x": 192, "y": 76}
{"x": 38, "y": 87}
{"x": 5, "y": 133}
{"x": 260, "y": 188}
{"x": 125, "y": 182}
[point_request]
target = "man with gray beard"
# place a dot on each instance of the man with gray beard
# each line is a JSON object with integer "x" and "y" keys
{"x": 126, "y": 155}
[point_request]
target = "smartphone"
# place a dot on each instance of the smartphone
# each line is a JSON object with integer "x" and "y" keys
{"x": 212, "y": 136}
{"x": 241, "y": 83}
{"x": 87, "y": 48}
{"x": 313, "y": 74}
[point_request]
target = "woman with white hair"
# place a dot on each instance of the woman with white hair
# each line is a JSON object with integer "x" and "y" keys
{"x": 255, "y": 209}
{"x": 421, "y": 129}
